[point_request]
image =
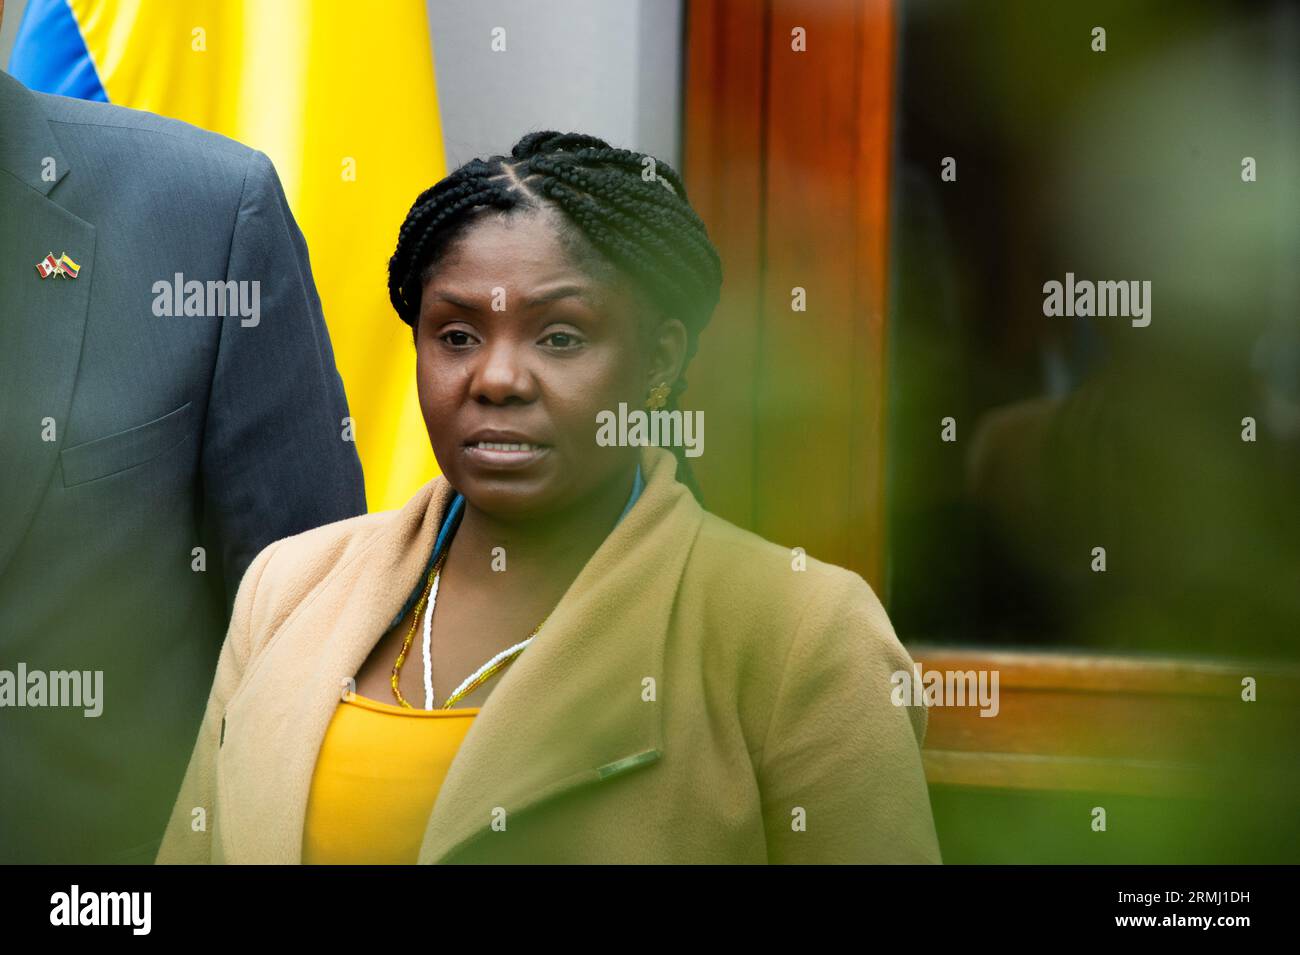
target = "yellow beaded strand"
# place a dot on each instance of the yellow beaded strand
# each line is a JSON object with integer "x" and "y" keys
{"x": 410, "y": 636}
{"x": 415, "y": 622}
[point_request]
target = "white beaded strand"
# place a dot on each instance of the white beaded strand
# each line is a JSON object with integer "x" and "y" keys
{"x": 504, "y": 653}
{"x": 428, "y": 652}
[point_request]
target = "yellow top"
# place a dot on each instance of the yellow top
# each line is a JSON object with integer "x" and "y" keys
{"x": 377, "y": 775}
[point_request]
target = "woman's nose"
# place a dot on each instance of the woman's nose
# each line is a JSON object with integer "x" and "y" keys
{"x": 502, "y": 374}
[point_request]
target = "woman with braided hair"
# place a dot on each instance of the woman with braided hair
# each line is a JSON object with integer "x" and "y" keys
{"x": 553, "y": 653}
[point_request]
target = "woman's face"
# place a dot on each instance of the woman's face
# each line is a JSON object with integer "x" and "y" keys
{"x": 517, "y": 350}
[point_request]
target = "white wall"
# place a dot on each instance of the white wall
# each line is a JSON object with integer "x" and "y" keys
{"x": 9, "y": 28}
{"x": 610, "y": 68}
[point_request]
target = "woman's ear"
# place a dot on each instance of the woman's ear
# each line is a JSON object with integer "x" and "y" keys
{"x": 667, "y": 352}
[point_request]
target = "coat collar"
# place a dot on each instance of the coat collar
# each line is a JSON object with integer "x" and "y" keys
{"x": 27, "y": 143}
{"x": 447, "y": 527}
{"x": 574, "y": 709}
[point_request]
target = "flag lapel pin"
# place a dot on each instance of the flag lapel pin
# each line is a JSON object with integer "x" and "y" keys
{"x": 62, "y": 266}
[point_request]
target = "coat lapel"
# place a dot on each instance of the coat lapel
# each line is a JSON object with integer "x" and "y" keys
{"x": 292, "y": 698}
{"x": 568, "y": 712}
{"x": 572, "y": 710}
{"x": 42, "y": 321}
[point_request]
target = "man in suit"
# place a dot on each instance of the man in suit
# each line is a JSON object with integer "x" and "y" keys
{"x": 169, "y": 405}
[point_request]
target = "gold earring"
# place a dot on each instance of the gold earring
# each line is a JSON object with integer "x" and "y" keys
{"x": 658, "y": 396}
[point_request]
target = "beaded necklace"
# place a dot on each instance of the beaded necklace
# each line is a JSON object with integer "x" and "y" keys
{"x": 430, "y": 596}
{"x": 475, "y": 679}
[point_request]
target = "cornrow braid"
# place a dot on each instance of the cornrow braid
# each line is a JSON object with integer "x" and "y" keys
{"x": 630, "y": 208}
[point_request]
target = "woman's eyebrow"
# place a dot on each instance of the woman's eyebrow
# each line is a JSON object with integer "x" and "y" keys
{"x": 562, "y": 291}
{"x": 454, "y": 300}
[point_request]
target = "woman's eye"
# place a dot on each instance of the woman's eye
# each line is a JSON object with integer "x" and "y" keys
{"x": 563, "y": 340}
{"x": 455, "y": 338}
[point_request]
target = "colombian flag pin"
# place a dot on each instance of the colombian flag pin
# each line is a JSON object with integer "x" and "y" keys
{"x": 67, "y": 267}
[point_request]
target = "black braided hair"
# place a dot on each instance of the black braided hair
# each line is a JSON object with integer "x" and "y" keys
{"x": 621, "y": 213}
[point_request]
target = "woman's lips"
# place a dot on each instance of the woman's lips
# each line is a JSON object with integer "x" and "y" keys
{"x": 505, "y": 454}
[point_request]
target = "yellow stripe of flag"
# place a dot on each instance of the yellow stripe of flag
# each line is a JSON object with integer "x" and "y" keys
{"x": 342, "y": 97}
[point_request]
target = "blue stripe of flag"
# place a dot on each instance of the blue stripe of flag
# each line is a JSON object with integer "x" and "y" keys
{"x": 50, "y": 55}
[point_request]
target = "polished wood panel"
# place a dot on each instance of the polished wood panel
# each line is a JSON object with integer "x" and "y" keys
{"x": 1132, "y": 725}
{"x": 787, "y": 159}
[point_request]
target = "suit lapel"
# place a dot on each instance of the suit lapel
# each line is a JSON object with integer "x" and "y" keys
{"x": 42, "y": 321}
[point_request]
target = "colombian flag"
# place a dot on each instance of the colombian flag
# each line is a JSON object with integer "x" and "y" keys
{"x": 344, "y": 102}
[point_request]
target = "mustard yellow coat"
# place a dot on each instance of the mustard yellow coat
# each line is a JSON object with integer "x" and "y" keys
{"x": 693, "y": 698}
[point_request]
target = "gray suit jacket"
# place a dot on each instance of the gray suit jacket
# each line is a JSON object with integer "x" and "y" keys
{"x": 130, "y": 437}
